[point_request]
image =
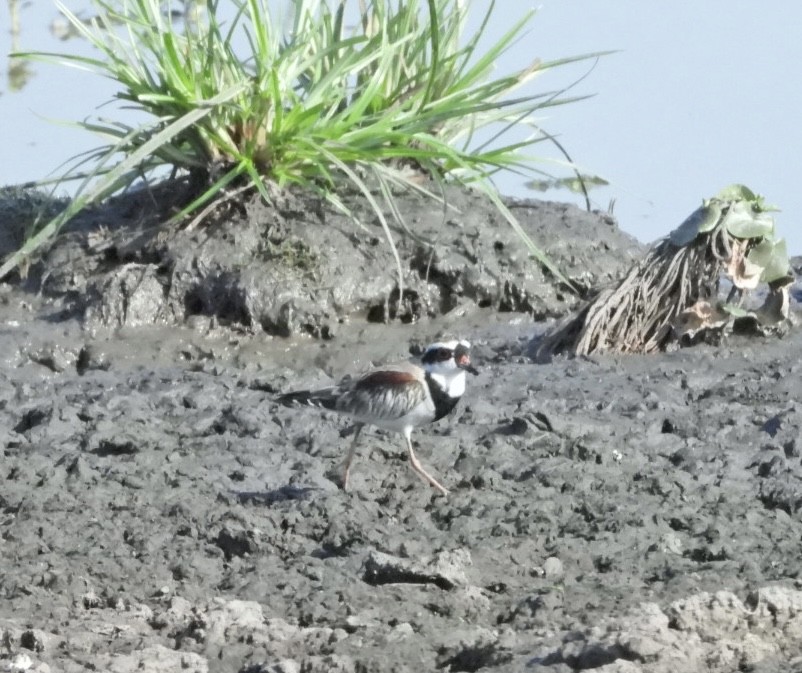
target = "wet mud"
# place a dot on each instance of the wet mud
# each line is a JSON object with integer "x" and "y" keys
{"x": 160, "y": 512}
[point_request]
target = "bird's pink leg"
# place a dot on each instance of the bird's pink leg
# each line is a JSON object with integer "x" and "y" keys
{"x": 350, "y": 458}
{"x": 415, "y": 463}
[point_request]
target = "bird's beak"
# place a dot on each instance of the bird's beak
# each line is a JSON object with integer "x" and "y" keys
{"x": 464, "y": 362}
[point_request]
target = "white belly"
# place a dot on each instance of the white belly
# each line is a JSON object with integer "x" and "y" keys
{"x": 420, "y": 415}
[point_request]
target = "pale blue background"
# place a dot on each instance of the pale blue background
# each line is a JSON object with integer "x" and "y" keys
{"x": 702, "y": 93}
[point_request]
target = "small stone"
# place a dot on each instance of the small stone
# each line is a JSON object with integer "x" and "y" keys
{"x": 286, "y": 666}
{"x": 92, "y": 357}
{"x": 115, "y": 603}
{"x": 198, "y": 323}
{"x": 401, "y": 631}
{"x": 553, "y": 568}
{"x": 771, "y": 467}
{"x": 91, "y": 601}
{"x": 671, "y": 544}
{"x": 53, "y": 357}
{"x": 518, "y": 426}
{"x": 21, "y": 662}
{"x": 445, "y": 569}
{"x": 32, "y": 640}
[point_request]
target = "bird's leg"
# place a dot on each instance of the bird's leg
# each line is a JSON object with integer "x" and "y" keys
{"x": 415, "y": 463}
{"x": 350, "y": 458}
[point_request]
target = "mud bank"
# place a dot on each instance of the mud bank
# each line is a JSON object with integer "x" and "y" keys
{"x": 159, "y": 512}
{"x": 298, "y": 267}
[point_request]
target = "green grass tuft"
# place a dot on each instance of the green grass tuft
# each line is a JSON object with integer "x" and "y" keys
{"x": 235, "y": 98}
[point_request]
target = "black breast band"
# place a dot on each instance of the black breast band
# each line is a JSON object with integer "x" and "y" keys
{"x": 443, "y": 402}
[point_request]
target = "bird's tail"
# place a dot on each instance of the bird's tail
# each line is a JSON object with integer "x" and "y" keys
{"x": 324, "y": 398}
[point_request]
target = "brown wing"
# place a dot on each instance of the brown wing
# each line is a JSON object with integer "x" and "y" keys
{"x": 387, "y": 377}
{"x": 385, "y": 394}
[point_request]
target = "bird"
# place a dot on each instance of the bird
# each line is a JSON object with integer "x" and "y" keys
{"x": 398, "y": 397}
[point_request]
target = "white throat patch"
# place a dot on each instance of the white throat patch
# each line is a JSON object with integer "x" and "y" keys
{"x": 449, "y": 377}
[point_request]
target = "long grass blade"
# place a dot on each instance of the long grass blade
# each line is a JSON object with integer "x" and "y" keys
{"x": 110, "y": 179}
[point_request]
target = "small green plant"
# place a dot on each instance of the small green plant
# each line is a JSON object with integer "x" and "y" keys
{"x": 241, "y": 101}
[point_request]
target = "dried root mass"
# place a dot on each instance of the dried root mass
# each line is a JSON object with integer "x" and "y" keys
{"x": 671, "y": 296}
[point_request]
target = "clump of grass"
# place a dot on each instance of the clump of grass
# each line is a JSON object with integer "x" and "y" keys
{"x": 242, "y": 101}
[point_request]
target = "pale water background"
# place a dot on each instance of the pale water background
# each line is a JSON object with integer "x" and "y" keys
{"x": 702, "y": 93}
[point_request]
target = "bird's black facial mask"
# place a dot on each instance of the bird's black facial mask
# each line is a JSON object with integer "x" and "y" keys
{"x": 435, "y": 355}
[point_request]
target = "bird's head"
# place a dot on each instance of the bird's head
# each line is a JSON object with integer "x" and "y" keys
{"x": 446, "y": 362}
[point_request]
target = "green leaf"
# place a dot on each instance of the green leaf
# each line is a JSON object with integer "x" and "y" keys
{"x": 734, "y": 311}
{"x": 573, "y": 183}
{"x": 742, "y": 221}
{"x": 772, "y": 255}
{"x": 701, "y": 220}
{"x": 736, "y": 192}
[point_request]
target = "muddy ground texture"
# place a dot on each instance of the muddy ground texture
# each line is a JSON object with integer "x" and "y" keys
{"x": 158, "y": 512}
